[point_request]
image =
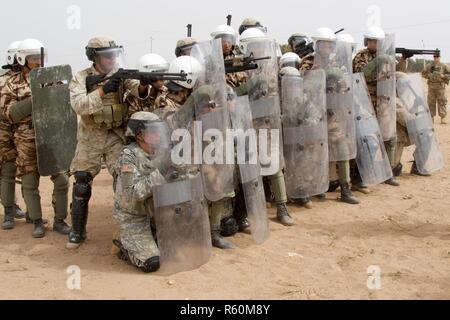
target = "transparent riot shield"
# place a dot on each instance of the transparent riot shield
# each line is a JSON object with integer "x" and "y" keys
{"x": 386, "y": 95}
{"x": 249, "y": 167}
{"x": 372, "y": 160}
{"x": 54, "y": 120}
{"x": 264, "y": 100}
{"x": 182, "y": 225}
{"x": 427, "y": 155}
{"x": 211, "y": 110}
{"x": 305, "y": 134}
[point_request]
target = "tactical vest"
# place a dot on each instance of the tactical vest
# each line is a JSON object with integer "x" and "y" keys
{"x": 112, "y": 114}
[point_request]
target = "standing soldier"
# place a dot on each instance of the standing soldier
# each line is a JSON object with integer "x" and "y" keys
{"x": 148, "y": 63}
{"x": 438, "y": 75}
{"x": 101, "y": 131}
{"x": 16, "y": 98}
{"x": 8, "y": 153}
{"x": 301, "y": 44}
{"x": 367, "y": 61}
{"x": 339, "y": 140}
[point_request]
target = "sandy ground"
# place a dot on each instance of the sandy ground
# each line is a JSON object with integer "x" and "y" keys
{"x": 404, "y": 231}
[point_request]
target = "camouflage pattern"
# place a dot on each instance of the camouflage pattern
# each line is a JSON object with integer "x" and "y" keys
{"x": 7, "y": 149}
{"x": 17, "y": 88}
{"x": 167, "y": 104}
{"x": 148, "y": 104}
{"x": 100, "y": 134}
{"x": 438, "y": 76}
{"x": 402, "y": 133}
{"x": 137, "y": 174}
{"x": 236, "y": 79}
{"x": 361, "y": 60}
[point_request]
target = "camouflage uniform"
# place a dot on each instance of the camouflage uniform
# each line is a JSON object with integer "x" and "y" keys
{"x": 8, "y": 152}
{"x": 148, "y": 104}
{"x": 137, "y": 173}
{"x": 236, "y": 79}
{"x": 438, "y": 76}
{"x": 167, "y": 104}
{"x": 17, "y": 88}
{"x": 101, "y": 131}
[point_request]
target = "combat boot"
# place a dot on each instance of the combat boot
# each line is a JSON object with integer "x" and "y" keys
{"x": 361, "y": 188}
{"x": 416, "y": 172}
{"x": 392, "y": 182}
{"x": 218, "y": 241}
{"x": 61, "y": 227}
{"x": 347, "y": 195}
{"x": 39, "y": 229}
{"x": 283, "y": 215}
{"x": 304, "y": 202}
{"x": 29, "y": 221}
{"x": 397, "y": 171}
{"x": 8, "y": 222}
{"x": 333, "y": 186}
{"x": 18, "y": 213}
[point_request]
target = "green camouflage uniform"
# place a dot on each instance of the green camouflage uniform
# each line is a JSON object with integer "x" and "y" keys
{"x": 438, "y": 77}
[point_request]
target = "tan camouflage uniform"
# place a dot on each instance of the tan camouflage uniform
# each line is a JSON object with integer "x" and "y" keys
{"x": 361, "y": 60}
{"x": 438, "y": 76}
{"x": 136, "y": 104}
{"x": 101, "y": 131}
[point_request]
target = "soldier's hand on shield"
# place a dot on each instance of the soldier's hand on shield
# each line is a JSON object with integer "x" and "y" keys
{"x": 112, "y": 85}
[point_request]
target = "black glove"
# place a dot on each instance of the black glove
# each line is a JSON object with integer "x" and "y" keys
{"x": 407, "y": 55}
{"x": 112, "y": 86}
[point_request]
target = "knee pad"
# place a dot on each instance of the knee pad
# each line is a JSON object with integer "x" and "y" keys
{"x": 151, "y": 265}
{"x": 82, "y": 187}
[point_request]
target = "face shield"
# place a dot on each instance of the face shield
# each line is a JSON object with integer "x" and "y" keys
{"x": 31, "y": 57}
{"x": 110, "y": 59}
{"x": 325, "y": 49}
{"x": 154, "y": 134}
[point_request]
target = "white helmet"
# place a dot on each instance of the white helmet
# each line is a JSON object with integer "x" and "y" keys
{"x": 188, "y": 65}
{"x": 289, "y": 71}
{"x": 11, "y": 52}
{"x": 290, "y": 59}
{"x": 374, "y": 33}
{"x": 152, "y": 63}
{"x": 251, "y": 35}
{"x": 225, "y": 31}
{"x": 347, "y": 38}
{"x": 324, "y": 34}
{"x": 29, "y": 47}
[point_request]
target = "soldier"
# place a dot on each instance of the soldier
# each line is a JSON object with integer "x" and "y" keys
{"x": 138, "y": 170}
{"x": 148, "y": 63}
{"x": 7, "y": 150}
{"x": 101, "y": 131}
{"x": 238, "y": 221}
{"x": 325, "y": 46}
{"x": 290, "y": 59}
{"x": 248, "y": 23}
{"x": 366, "y": 61}
{"x": 16, "y": 98}
{"x": 252, "y": 85}
{"x": 438, "y": 75}
{"x": 301, "y": 44}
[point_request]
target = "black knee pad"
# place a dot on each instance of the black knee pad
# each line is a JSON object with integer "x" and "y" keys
{"x": 151, "y": 265}
{"x": 82, "y": 187}
{"x": 228, "y": 227}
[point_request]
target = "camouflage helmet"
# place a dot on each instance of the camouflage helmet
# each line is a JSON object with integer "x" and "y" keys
{"x": 251, "y": 23}
{"x": 138, "y": 121}
{"x": 184, "y": 44}
{"x": 99, "y": 44}
{"x": 437, "y": 54}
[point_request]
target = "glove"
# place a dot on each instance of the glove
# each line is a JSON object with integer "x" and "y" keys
{"x": 112, "y": 85}
{"x": 21, "y": 110}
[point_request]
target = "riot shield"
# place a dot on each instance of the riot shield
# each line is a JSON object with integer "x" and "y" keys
{"x": 372, "y": 160}
{"x": 305, "y": 134}
{"x": 249, "y": 167}
{"x": 182, "y": 225}
{"x": 211, "y": 110}
{"x": 265, "y": 105}
{"x": 341, "y": 123}
{"x": 55, "y": 122}
{"x": 427, "y": 155}
{"x": 386, "y": 95}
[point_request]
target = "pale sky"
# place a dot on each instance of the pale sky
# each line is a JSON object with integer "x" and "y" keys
{"x": 133, "y": 23}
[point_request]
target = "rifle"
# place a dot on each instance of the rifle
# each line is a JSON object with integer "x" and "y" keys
{"x": 241, "y": 63}
{"x": 408, "y": 53}
{"x": 123, "y": 74}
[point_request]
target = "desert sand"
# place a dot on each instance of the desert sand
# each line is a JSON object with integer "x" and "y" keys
{"x": 405, "y": 231}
